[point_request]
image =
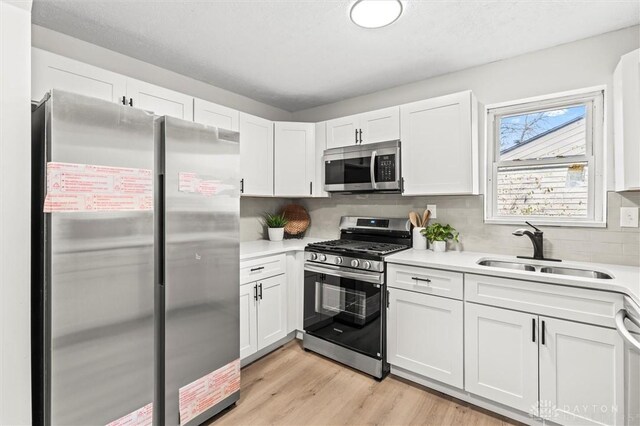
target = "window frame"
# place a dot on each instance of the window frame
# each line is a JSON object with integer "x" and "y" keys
{"x": 594, "y": 157}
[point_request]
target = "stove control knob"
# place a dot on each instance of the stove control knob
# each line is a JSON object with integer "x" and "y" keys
{"x": 355, "y": 263}
{"x": 366, "y": 264}
{"x": 338, "y": 260}
{"x": 313, "y": 256}
{"x": 322, "y": 258}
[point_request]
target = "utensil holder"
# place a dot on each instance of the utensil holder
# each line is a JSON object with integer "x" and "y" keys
{"x": 419, "y": 240}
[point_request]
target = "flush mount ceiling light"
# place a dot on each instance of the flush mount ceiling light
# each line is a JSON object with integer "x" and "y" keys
{"x": 375, "y": 13}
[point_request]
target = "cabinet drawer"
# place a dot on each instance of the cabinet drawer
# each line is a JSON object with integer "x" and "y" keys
{"x": 576, "y": 304}
{"x": 261, "y": 268}
{"x": 426, "y": 280}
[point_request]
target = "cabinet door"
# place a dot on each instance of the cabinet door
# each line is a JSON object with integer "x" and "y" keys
{"x": 581, "y": 373}
{"x": 321, "y": 145}
{"x": 248, "y": 320}
{"x": 51, "y": 71}
{"x": 626, "y": 126}
{"x": 272, "y": 310}
{"x": 256, "y": 155}
{"x": 215, "y": 115}
{"x": 294, "y": 165}
{"x": 159, "y": 100}
{"x": 342, "y": 131}
{"x": 440, "y": 146}
{"x": 425, "y": 335}
{"x": 632, "y": 384}
{"x": 381, "y": 125}
{"x": 501, "y": 356}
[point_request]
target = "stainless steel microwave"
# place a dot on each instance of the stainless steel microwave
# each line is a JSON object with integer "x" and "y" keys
{"x": 363, "y": 168}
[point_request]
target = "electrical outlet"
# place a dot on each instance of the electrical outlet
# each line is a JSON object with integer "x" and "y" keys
{"x": 432, "y": 207}
{"x": 629, "y": 217}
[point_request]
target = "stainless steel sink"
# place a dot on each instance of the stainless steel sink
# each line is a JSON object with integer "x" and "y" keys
{"x": 574, "y": 272}
{"x": 558, "y": 270}
{"x": 507, "y": 265}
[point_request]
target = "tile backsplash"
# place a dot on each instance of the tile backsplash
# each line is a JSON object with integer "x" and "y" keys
{"x": 605, "y": 245}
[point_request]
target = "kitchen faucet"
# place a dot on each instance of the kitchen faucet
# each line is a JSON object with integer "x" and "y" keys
{"x": 537, "y": 239}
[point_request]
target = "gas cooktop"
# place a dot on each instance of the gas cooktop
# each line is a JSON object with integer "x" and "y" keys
{"x": 354, "y": 247}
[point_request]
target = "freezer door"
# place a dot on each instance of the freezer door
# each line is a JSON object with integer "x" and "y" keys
{"x": 98, "y": 272}
{"x": 202, "y": 289}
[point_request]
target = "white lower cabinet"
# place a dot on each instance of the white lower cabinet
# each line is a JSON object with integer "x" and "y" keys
{"x": 248, "y": 320}
{"x": 562, "y": 371}
{"x": 632, "y": 384}
{"x": 425, "y": 335}
{"x": 263, "y": 314}
{"x": 501, "y": 356}
{"x": 581, "y": 374}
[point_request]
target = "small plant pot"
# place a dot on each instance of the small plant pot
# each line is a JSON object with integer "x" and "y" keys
{"x": 419, "y": 240}
{"x": 276, "y": 234}
{"x": 439, "y": 246}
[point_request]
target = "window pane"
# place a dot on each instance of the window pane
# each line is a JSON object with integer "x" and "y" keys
{"x": 548, "y": 191}
{"x": 544, "y": 134}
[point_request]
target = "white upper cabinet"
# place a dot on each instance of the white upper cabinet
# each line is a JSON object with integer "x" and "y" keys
{"x": 215, "y": 115}
{"x": 321, "y": 145}
{"x": 440, "y": 145}
{"x": 294, "y": 168}
{"x": 501, "y": 356}
{"x": 381, "y": 125}
{"x": 342, "y": 131}
{"x": 369, "y": 127}
{"x": 159, "y": 100}
{"x": 51, "y": 71}
{"x": 582, "y": 374}
{"x": 256, "y": 155}
{"x": 626, "y": 127}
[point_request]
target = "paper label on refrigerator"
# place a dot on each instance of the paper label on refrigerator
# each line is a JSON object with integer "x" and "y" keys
{"x": 141, "y": 417}
{"x": 192, "y": 183}
{"x": 202, "y": 394}
{"x": 86, "y": 187}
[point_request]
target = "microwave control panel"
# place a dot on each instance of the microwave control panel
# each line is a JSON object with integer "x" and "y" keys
{"x": 386, "y": 168}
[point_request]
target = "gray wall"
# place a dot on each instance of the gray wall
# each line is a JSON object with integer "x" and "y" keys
{"x": 15, "y": 205}
{"x": 575, "y": 65}
{"x": 82, "y": 51}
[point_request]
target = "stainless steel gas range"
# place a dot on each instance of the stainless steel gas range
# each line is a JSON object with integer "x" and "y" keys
{"x": 345, "y": 294}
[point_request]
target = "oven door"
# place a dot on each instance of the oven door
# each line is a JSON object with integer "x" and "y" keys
{"x": 362, "y": 169}
{"x": 344, "y": 307}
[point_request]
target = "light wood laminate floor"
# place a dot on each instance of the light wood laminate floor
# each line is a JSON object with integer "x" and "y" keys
{"x": 294, "y": 387}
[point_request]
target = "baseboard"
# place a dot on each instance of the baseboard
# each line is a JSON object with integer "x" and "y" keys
{"x": 265, "y": 351}
{"x": 469, "y": 398}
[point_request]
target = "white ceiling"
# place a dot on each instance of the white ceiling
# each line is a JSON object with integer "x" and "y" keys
{"x": 300, "y": 54}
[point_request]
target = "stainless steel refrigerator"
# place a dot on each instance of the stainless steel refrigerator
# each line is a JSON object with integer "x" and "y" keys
{"x": 135, "y": 265}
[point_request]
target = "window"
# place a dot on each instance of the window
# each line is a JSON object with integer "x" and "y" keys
{"x": 545, "y": 160}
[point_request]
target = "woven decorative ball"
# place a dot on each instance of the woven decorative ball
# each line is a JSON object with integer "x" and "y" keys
{"x": 298, "y": 218}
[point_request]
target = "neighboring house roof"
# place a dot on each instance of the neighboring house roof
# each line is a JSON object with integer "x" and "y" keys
{"x": 563, "y": 140}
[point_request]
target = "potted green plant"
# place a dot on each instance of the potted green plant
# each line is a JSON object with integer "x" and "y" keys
{"x": 276, "y": 224}
{"x": 439, "y": 234}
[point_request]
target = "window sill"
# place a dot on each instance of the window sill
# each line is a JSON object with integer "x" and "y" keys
{"x": 546, "y": 222}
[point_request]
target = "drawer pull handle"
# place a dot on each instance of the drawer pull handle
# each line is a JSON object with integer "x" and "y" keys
{"x": 426, "y": 280}
{"x": 260, "y": 268}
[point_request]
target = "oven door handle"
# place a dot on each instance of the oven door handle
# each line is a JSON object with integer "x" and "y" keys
{"x": 374, "y": 278}
{"x": 372, "y": 169}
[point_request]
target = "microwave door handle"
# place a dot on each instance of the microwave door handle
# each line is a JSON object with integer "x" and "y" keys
{"x": 372, "y": 170}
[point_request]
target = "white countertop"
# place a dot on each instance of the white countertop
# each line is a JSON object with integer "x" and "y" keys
{"x": 626, "y": 279}
{"x": 259, "y": 248}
